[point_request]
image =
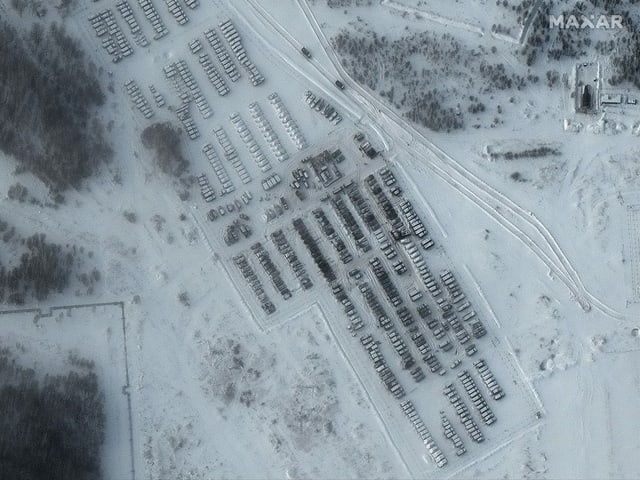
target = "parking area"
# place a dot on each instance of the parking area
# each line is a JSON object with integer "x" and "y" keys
{"x": 352, "y": 238}
{"x": 302, "y": 209}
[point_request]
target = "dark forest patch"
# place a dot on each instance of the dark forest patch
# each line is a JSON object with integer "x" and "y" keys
{"x": 43, "y": 267}
{"x": 165, "y": 141}
{"x": 49, "y": 97}
{"x": 51, "y": 429}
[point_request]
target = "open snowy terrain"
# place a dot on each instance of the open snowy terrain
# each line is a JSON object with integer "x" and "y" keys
{"x": 202, "y": 380}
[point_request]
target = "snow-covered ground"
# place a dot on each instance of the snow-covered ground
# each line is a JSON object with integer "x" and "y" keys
{"x": 220, "y": 389}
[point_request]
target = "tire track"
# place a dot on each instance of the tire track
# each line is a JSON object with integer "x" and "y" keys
{"x": 584, "y": 298}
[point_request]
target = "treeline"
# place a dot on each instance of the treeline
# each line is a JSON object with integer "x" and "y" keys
{"x": 52, "y": 429}
{"x": 414, "y": 73}
{"x": 499, "y": 78}
{"x": 557, "y": 43}
{"x": 377, "y": 62}
{"x": 38, "y": 268}
{"x": 623, "y": 48}
{"x": 560, "y": 43}
{"x": 42, "y": 268}
{"x": 37, "y": 7}
{"x": 529, "y": 153}
{"x": 612, "y": 5}
{"x": 626, "y": 62}
{"x": 48, "y": 100}
{"x": 429, "y": 112}
{"x": 165, "y": 141}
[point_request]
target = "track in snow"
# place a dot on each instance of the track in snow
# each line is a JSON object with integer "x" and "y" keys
{"x": 457, "y": 174}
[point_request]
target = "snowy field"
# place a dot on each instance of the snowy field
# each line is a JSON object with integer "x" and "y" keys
{"x": 549, "y": 261}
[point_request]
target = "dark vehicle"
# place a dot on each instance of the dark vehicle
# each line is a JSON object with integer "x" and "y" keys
{"x": 339, "y": 84}
{"x": 306, "y": 52}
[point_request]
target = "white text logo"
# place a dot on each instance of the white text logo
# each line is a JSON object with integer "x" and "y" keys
{"x": 605, "y": 22}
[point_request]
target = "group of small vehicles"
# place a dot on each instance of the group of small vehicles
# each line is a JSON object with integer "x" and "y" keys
{"x": 307, "y": 54}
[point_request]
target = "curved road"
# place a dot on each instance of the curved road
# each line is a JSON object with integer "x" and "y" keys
{"x": 561, "y": 266}
{"x": 387, "y": 123}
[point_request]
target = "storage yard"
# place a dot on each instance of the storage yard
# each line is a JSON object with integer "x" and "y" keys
{"x": 299, "y": 217}
{"x": 361, "y": 250}
{"x": 315, "y": 253}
